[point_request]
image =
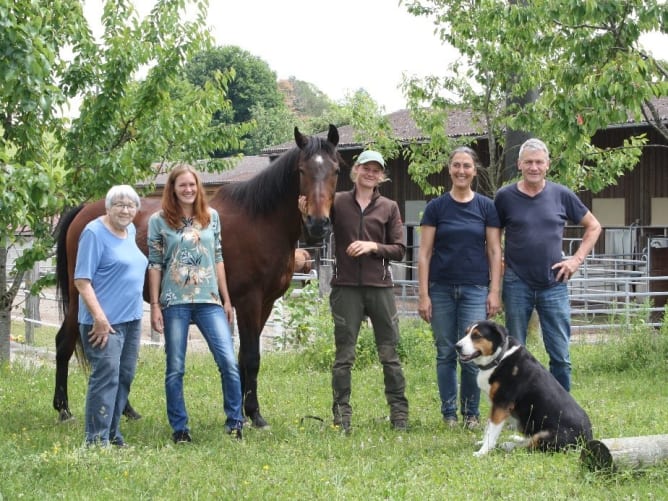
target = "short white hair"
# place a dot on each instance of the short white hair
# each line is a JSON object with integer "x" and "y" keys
{"x": 534, "y": 144}
{"x": 121, "y": 191}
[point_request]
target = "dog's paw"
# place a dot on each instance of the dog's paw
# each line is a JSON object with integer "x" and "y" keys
{"x": 481, "y": 452}
{"x": 508, "y": 446}
{"x": 517, "y": 438}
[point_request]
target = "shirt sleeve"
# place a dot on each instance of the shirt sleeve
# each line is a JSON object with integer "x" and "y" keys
{"x": 88, "y": 255}
{"x": 156, "y": 247}
{"x": 217, "y": 242}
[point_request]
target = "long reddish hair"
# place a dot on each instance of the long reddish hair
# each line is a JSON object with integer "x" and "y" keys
{"x": 171, "y": 209}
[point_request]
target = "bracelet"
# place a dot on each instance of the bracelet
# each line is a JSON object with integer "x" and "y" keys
{"x": 155, "y": 304}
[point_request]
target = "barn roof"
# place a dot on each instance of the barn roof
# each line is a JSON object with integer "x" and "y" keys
{"x": 460, "y": 123}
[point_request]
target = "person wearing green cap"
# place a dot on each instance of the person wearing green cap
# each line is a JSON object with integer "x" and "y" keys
{"x": 368, "y": 234}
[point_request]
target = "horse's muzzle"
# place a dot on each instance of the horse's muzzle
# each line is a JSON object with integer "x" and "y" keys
{"x": 317, "y": 228}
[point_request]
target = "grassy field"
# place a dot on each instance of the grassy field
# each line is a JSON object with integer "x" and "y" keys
{"x": 622, "y": 384}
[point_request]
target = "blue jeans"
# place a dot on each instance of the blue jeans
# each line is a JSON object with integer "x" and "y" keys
{"x": 212, "y": 322}
{"x": 554, "y": 313}
{"x": 112, "y": 371}
{"x": 454, "y": 308}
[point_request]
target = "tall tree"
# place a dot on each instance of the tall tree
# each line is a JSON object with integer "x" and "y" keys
{"x": 253, "y": 87}
{"x": 583, "y": 59}
{"x": 49, "y": 57}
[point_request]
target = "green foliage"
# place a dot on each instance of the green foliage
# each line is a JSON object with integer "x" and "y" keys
{"x": 252, "y": 97}
{"x": 306, "y": 314}
{"x": 254, "y": 83}
{"x": 125, "y": 124}
{"x": 372, "y": 128}
{"x": 273, "y": 126}
{"x": 634, "y": 351}
{"x": 306, "y": 99}
{"x": 559, "y": 70}
{"x": 309, "y": 329}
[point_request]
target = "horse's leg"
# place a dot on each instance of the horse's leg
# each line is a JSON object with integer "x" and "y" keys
{"x": 249, "y": 367}
{"x": 66, "y": 340}
{"x": 250, "y": 327}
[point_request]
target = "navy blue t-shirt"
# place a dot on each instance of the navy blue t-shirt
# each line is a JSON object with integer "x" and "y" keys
{"x": 459, "y": 256}
{"x": 534, "y": 229}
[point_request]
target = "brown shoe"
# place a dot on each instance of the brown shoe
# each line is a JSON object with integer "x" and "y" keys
{"x": 471, "y": 422}
{"x": 450, "y": 421}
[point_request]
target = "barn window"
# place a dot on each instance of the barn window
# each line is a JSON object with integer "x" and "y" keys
{"x": 659, "y": 211}
{"x": 609, "y": 211}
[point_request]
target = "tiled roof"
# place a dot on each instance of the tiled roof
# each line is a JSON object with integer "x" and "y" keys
{"x": 245, "y": 168}
{"x": 460, "y": 123}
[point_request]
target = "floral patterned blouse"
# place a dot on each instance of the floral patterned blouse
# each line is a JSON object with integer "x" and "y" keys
{"x": 187, "y": 258}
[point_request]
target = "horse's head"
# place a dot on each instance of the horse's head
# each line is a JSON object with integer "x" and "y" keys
{"x": 318, "y": 174}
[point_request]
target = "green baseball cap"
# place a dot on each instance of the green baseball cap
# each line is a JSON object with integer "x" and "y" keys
{"x": 370, "y": 156}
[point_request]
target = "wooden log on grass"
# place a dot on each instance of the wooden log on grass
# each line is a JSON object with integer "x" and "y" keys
{"x": 614, "y": 454}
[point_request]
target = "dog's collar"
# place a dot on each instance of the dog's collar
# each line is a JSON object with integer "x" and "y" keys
{"x": 497, "y": 359}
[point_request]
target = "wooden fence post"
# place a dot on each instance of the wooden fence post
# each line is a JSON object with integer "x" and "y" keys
{"x": 613, "y": 454}
{"x": 31, "y": 310}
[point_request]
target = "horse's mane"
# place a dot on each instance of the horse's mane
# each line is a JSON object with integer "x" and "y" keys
{"x": 264, "y": 191}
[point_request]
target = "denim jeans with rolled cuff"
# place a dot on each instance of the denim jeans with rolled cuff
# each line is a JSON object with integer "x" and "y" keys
{"x": 112, "y": 371}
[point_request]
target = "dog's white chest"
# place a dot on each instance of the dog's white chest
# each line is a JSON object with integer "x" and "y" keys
{"x": 483, "y": 380}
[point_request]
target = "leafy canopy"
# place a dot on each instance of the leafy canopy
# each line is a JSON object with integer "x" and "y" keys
{"x": 556, "y": 69}
{"x": 136, "y": 109}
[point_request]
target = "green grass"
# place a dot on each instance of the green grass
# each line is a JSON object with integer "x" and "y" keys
{"x": 621, "y": 384}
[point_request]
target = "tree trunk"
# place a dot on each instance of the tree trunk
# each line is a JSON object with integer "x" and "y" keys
{"x": 5, "y": 308}
{"x": 5, "y": 328}
{"x": 614, "y": 454}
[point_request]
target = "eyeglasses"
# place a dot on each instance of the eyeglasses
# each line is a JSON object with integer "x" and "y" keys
{"x": 122, "y": 206}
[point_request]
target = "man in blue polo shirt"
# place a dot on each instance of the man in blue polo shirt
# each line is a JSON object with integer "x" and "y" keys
{"x": 533, "y": 213}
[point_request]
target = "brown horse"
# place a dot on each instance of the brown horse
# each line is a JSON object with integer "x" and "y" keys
{"x": 261, "y": 224}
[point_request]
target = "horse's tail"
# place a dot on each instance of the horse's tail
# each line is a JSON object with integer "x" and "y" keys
{"x": 62, "y": 278}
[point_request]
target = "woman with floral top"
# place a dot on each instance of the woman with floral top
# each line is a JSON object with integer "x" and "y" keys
{"x": 187, "y": 285}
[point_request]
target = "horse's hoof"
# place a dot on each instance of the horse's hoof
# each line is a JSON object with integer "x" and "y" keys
{"x": 64, "y": 415}
{"x": 257, "y": 421}
{"x": 130, "y": 413}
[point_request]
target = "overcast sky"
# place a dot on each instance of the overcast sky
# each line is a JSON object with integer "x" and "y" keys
{"x": 337, "y": 45}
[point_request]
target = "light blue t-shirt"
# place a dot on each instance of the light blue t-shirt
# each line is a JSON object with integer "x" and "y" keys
{"x": 116, "y": 269}
{"x": 187, "y": 258}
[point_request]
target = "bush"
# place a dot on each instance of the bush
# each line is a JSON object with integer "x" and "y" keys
{"x": 310, "y": 330}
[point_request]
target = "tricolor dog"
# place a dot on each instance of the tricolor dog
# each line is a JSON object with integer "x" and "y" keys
{"x": 520, "y": 388}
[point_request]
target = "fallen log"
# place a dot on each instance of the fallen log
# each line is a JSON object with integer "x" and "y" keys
{"x": 614, "y": 454}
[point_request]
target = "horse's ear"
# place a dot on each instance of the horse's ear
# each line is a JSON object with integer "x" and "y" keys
{"x": 300, "y": 139}
{"x": 333, "y": 135}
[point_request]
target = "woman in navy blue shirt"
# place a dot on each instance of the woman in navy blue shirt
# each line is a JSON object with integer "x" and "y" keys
{"x": 459, "y": 273}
